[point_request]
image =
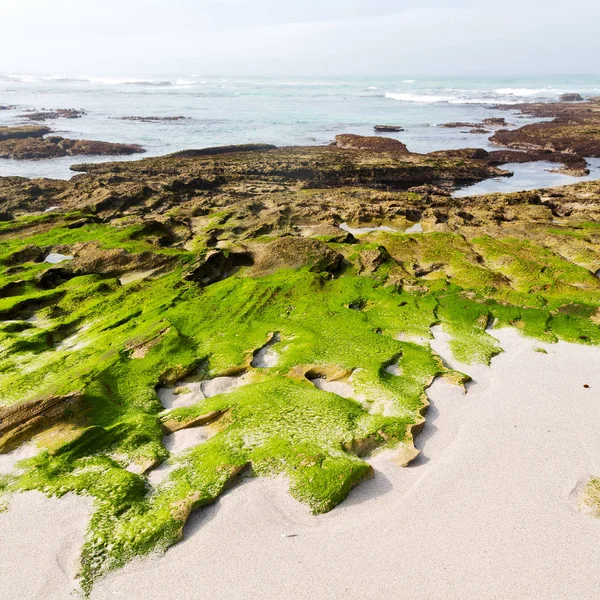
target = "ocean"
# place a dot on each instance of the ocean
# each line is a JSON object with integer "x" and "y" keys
{"x": 281, "y": 111}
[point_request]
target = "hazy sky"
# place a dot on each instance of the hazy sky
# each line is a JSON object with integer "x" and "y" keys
{"x": 305, "y": 37}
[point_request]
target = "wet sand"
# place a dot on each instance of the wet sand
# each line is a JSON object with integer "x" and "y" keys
{"x": 489, "y": 510}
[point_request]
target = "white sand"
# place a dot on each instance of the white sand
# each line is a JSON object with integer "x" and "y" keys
{"x": 488, "y": 511}
{"x": 40, "y": 544}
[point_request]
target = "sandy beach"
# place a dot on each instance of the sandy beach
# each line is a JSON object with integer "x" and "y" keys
{"x": 489, "y": 510}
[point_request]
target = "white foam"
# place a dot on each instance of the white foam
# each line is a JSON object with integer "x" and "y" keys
{"x": 424, "y": 98}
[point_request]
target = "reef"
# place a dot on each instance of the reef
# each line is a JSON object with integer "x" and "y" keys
{"x": 59, "y": 113}
{"x": 216, "y": 289}
{"x": 574, "y": 128}
{"x": 29, "y": 143}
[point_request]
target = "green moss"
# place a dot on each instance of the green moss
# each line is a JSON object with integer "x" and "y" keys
{"x": 116, "y": 344}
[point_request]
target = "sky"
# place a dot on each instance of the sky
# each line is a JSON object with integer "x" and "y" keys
{"x": 304, "y": 37}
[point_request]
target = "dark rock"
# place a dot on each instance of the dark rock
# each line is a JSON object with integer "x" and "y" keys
{"x": 387, "y": 128}
{"x": 571, "y": 98}
{"x": 37, "y": 148}
{"x": 495, "y": 122}
{"x": 60, "y": 113}
{"x": 216, "y": 265}
{"x": 152, "y": 119}
{"x": 30, "y": 253}
{"x": 24, "y": 132}
{"x": 470, "y": 153}
{"x": 574, "y": 128}
{"x": 222, "y": 150}
{"x": 459, "y": 125}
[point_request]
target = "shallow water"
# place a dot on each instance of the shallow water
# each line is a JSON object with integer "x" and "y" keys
{"x": 528, "y": 176}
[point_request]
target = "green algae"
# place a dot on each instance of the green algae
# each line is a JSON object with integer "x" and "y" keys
{"x": 115, "y": 345}
{"x": 591, "y": 495}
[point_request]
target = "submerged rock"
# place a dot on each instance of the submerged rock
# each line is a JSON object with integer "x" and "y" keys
{"x": 152, "y": 119}
{"x": 59, "y": 113}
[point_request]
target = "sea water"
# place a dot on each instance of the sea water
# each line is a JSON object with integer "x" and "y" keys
{"x": 280, "y": 111}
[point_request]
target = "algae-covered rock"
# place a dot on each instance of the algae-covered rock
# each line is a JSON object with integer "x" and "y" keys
{"x": 574, "y": 128}
{"x": 23, "y": 132}
{"x": 370, "y": 143}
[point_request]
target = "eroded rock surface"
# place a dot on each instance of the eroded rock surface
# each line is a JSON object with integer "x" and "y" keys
{"x": 29, "y": 143}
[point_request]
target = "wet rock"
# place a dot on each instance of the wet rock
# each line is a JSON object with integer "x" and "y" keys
{"x": 495, "y": 122}
{"x": 60, "y": 113}
{"x": 222, "y": 150}
{"x": 469, "y": 153}
{"x": 152, "y": 119}
{"x": 370, "y": 143}
{"x": 24, "y": 132}
{"x": 459, "y": 125}
{"x": 38, "y": 148}
{"x": 571, "y": 98}
{"x": 387, "y": 128}
{"x": 575, "y": 128}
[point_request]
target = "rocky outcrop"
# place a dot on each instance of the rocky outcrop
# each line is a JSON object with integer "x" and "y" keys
{"x": 571, "y": 98}
{"x": 477, "y": 127}
{"x": 193, "y": 153}
{"x": 387, "y": 128}
{"x": 575, "y": 128}
{"x": 24, "y": 132}
{"x": 152, "y": 119}
{"x": 37, "y": 148}
{"x": 59, "y": 113}
{"x": 495, "y": 122}
{"x": 369, "y": 143}
{"x": 459, "y": 125}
